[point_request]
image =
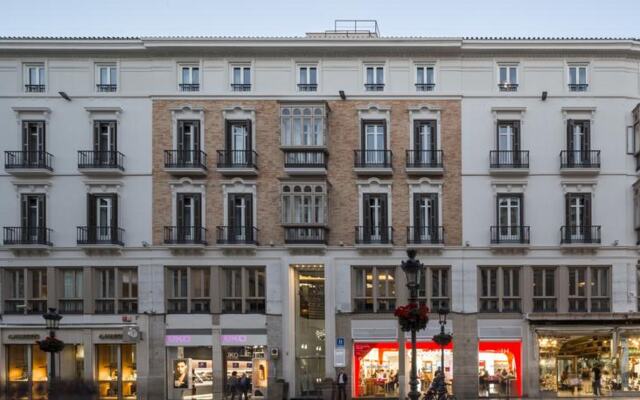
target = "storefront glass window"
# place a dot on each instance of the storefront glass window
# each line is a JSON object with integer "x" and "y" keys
{"x": 116, "y": 371}
{"x": 26, "y": 371}
{"x": 500, "y": 369}
{"x": 247, "y": 361}
{"x": 190, "y": 372}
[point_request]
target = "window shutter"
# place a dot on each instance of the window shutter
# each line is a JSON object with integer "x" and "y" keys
{"x": 417, "y": 143}
{"x": 586, "y": 143}
{"x": 24, "y": 210}
{"x": 114, "y": 135}
{"x": 197, "y": 210}
{"x": 180, "y": 141}
{"x": 587, "y": 209}
{"x": 434, "y": 212}
{"x": 25, "y": 136}
{"x": 231, "y": 206}
{"x": 180, "y": 209}
{"x": 42, "y": 209}
{"x": 366, "y": 211}
{"x": 229, "y": 143}
{"x": 567, "y": 209}
{"x": 248, "y": 139}
{"x": 384, "y": 130}
{"x": 96, "y": 136}
{"x": 383, "y": 211}
{"x": 417, "y": 199}
{"x": 91, "y": 210}
{"x": 570, "y": 127}
{"x": 434, "y": 134}
{"x": 114, "y": 212}
{"x": 248, "y": 209}
{"x": 521, "y": 203}
{"x": 196, "y": 137}
{"x": 516, "y": 135}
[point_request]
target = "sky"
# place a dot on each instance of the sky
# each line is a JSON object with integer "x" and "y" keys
{"x": 593, "y": 18}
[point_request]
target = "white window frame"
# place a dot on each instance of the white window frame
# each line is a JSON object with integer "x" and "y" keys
{"x": 289, "y": 211}
{"x": 374, "y": 186}
{"x": 376, "y": 297}
{"x": 425, "y": 75}
{"x": 242, "y": 65}
{"x": 374, "y": 65}
{"x": 296, "y": 117}
{"x": 97, "y": 76}
{"x": 25, "y": 75}
{"x": 239, "y": 186}
{"x": 187, "y": 186}
{"x": 299, "y": 67}
{"x": 587, "y": 75}
{"x": 507, "y": 86}
{"x": 190, "y": 66}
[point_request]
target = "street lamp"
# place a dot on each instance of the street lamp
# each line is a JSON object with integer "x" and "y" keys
{"x": 52, "y": 344}
{"x": 412, "y": 269}
{"x": 442, "y": 338}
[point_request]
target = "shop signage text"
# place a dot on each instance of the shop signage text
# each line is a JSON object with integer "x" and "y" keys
{"x": 176, "y": 340}
{"x": 234, "y": 339}
{"x": 24, "y": 337}
{"x": 110, "y": 336}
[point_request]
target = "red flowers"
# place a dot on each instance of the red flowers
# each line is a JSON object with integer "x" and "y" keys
{"x": 412, "y": 316}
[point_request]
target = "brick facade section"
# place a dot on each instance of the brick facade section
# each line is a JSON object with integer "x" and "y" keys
{"x": 343, "y": 138}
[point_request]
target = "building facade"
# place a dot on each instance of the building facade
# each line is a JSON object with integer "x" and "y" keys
{"x": 242, "y": 206}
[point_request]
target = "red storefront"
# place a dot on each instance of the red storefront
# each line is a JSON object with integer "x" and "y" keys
{"x": 500, "y": 368}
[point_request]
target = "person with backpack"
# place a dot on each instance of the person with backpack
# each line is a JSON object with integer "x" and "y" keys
{"x": 245, "y": 387}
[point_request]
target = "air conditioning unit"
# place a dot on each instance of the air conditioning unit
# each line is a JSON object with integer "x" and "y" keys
{"x": 131, "y": 334}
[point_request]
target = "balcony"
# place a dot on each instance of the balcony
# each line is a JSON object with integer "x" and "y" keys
{"x": 237, "y": 162}
{"x": 177, "y": 306}
{"x": 189, "y": 87}
{"x": 19, "y": 306}
{"x": 424, "y": 162}
{"x": 578, "y": 87}
{"x": 580, "y": 162}
{"x": 305, "y": 236}
{"x": 128, "y": 306}
{"x": 105, "y": 306}
{"x": 544, "y": 305}
{"x": 106, "y": 88}
{"x": 241, "y": 87}
{"x": 373, "y": 162}
{"x": 237, "y": 236}
{"x": 185, "y": 162}
{"x": 425, "y": 87}
{"x": 100, "y": 162}
{"x": 307, "y": 87}
{"x": 508, "y": 87}
{"x": 200, "y": 305}
{"x": 509, "y": 162}
{"x": 374, "y": 236}
{"x": 29, "y": 88}
{"x": 71, "y": 306}
{"x": 100, "y": 236}
{"x": 580, "y": 236}
{"x": 374, "y": 87}
{"x": 515, "y": 236}
{"x": 185, "y": 236}
{"x": 28, "y": 163}
{"x": 305, "y": 161}
{"x": 27, "y": 237}
{"x": 427, "y": 236}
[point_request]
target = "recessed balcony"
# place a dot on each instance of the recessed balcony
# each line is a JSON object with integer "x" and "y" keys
{"x": 185, "y": 236}
{"x": 581, "y": 236}
{"x": 580, "y": 162}
{"x": 28, "y": 163}
{"x": 373, "y": 162}
{"x": 100, "y": 236}
{"x": 425, "y": 236}
{"x": 509, "y": 162}
{"x": 18, "y": 237}
{"x": 100, "y": 162}
{"x": 305, "y": 161}
{"x": 185, "y": 162}
{"x": 237, "y": 236}
{"x": 237, "y": 162}
{"x": 424, "y": 162}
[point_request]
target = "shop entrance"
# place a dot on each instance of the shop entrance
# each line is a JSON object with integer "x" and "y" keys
{"x": 248, "y": 362}
{"x": 190, "y": 372}
{"x": 310, "y": 329}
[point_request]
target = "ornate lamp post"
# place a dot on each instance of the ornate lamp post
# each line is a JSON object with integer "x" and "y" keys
{"x": 442, "y": 339}
{"x": 52, "y": 344}
{"x": 413, "y": 317}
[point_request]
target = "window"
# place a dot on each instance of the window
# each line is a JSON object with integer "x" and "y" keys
{"x": 307, "y": 78}
{"x": 375, "y": 226}
{"x": 25, "y": 296}
{"x": 373, "y": 151}
{"x": 106, "y": 78}
{"x": 188, "y": 218}
{"x": 425, "y": 78}
{"x": 579, "y": 228}
{"x": 508, "y": 143}
{"x": 34, "y": 78}
{"x": 240, "y": 228}
{"x": 102, "y": 220}
{"x": 244, "y": 290}
{"x": 304, "y": 204}
{"x": 238, "y": 145}
{"x": 589, "y": 289}
{"x": 578, "y": 153}
{"x": 72, "y": 291}
{"x": 500, "y": 289}
{"x": 508, "y": 78}
{"x": 509, "y": 220}
{"x": 33, "y": 141}
{"x": 434, "y": 288}
{"x": 178, "y": 284}
{"x": 200, "y": 294}
{"x": 117, "y": 291}
{"x": 189, "y": 78}
{"x": 375, "y": 289}
{"x": 303, "y": 125}
{"x": 374, "y": 78}
{"x": 241, "y": 78}
{"x": 544, "y": 292}
{"x": 578, "y": 78}
{"x": 426, "y": 219}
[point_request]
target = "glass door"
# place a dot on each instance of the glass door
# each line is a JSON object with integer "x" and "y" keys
{"x": 188, "y": 141}
{"x": 509, "y": 218}
{"x": 239, "y": 143}
{"x": 103, "y": 217}
{"x": 425, "y": 142}
{"x": 105, "y": 143}
{"x": 33, "y": 142}
{"x": 374, "y": 144}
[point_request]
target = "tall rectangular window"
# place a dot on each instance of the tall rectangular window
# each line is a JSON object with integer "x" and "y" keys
{"x": 34, "y": 78}
{"x": 303, "y": 125}
{"x": 375, "y": 289}
{"x": 244, "y": 290}
{"x": 434, "y": 287}
{"x": 117, "y": 290}
{"x": 106, "y": 78}
{"x": 177, "y": 300}
{"x": 304, "y": 204}
{"x": 200, "y": 294}
{"x": 71, "y": 301}
{"x": 544, "y": 292}
{"x": 500, "y": 289}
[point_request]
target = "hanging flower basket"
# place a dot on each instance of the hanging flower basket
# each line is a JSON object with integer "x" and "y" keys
{"x": 50, "y": 344}
{"x": 412, "y": 316}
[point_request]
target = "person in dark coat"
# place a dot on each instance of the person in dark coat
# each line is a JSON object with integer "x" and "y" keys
{"x": 342, "y": 380}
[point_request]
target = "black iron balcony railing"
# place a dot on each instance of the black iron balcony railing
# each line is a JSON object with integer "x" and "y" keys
{"x": 105, "y": 306}
{"x": 509, "y": 159}
{"x": 374, "y": 87}
{"x": 177, "y": 306}
{"x": 425, "y": 87}
{"x": 372, "y": 158}
{"x": 237, "y": 235}
{"x": 106, "y": 88}
{"x": 601, "y": 304}
{"x": 36, "y": 306}
{"x": 511, "y": 305}
{"x": 542, "y": 304}
{"x": 185, "y": 235}
{"x": 241, "y": 87}
{"x": 424, "y": 158}
{"x": 34, "y": 88}
{"x": 580, "y": 159}
{"x": 374, "y": 234}
{"x": 305, "y": 235}
{"x": 200, "y": 306}
{"x": 189, "y": 87}
{"x": 305, "y": 159}
{"x": 185, "y": 159}
{"x": 237, "y": 159}
{"x": 508, "y": 87}
{"x": 106, "y": 159}
{"x": 28, "y": 160}
{"x": 71, "y": 306}
{"x": 100, "y": 235}
{"x": 578, "y": 87}
{"x": 128, "y": 306}
{"x": 425, "y": 234}
{"x": 513, "y": 234}
{"x": 19, "y": 306}
{"x": 578, "y": 304}
{"x": 307, "y": 87}
{"x": 580, "y": 234}
{"x": 19, "y": 235}
{"x": 438, "y": 304}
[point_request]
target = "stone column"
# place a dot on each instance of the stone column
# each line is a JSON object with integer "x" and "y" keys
{"x": 465, "y": 355}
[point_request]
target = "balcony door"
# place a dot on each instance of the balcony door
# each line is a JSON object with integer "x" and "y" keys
{"x": 374, "y": 140}
{"x": 578, "y": 141}
{"x": 189, "y": 216}
{"x": 188, "y": 144}
{"x": 33, "y": 216}
{"x": 375, "y": 217}
{"x": 33, "y": 142}
{"x": 578, "y": 209}
{"x": 239, "y": 141}
{"x": 104, "y": 141}
{"x": 425, "y": 215}
{"x": 103, "y": 216}
{"x": 508, "y": 142}
{"x": 425, "y": 141}
{"x": 510, "y": 217}
{"x": 240, "y": 216}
